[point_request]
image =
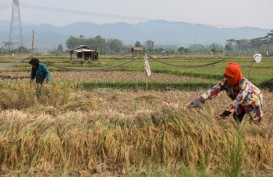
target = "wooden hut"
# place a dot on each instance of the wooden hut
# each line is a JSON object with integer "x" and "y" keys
{"x": 83, "y": 52}
{"x": 137, "y": 51}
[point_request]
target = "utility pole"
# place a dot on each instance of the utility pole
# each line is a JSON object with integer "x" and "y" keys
{"x": 15, "y": 31}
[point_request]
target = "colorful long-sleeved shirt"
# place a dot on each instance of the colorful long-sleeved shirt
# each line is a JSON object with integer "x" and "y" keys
{"x": 41, "y": 74}
{"x": 245, "y": 94}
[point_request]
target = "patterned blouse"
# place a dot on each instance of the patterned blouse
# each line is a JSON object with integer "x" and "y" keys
{"x": 245, "y": 94}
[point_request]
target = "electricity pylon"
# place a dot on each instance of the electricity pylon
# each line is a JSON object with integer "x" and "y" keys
{"x": 15, "y": 31}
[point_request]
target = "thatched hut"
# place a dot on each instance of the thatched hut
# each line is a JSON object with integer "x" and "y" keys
{"x": 83, "y": 52}
{"x": 137, "y": 51}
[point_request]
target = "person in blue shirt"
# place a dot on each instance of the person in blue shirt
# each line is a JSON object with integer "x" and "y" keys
{"x": 39, "y": 72}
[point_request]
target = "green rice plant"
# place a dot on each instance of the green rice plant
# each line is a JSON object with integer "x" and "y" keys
{"x": 267, "y": 84}
{"x": 142, "y": 85}
{"x": 234, "y": 159}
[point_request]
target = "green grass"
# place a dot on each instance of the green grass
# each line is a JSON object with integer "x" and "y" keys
{"x": 260, "y": 73}
{"x": 143, "y": 85}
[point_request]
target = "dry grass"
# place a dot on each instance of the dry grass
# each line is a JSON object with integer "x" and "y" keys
{"x": 117, "y": 130}
{"x": 104, "y": 76}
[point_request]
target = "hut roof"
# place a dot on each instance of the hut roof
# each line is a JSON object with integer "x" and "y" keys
{"x": 83, "y": 50}
{"x": 80, "y": 47}
{"x": 137, "y": 49}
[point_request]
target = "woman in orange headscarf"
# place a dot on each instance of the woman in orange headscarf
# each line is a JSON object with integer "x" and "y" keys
{"x": 246, "y": 97}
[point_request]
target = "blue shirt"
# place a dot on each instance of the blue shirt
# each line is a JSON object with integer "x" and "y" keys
{"x": 41, "y": 74}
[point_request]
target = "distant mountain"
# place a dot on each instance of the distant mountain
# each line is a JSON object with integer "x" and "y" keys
{"x": 161, "y": 32}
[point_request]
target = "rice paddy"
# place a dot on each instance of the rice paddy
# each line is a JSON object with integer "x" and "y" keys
{"x": 109, "y": 131}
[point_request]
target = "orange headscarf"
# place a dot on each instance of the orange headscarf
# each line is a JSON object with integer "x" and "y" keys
{"x": 233, "y": 71}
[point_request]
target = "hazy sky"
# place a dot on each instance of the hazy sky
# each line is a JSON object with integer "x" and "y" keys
{"x": 220, "y": 13}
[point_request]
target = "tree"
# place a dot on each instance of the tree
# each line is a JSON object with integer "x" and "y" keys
{"x": 216, "y": 48}
{"x": 72, "y": 42}
{"x": 58, "y": 51}
{"x": 60, "y": 48}
{"x": 22, "y": 49}
{"x": 138, "y": 44}
{"x": 97, "y": 43}
{"x": 230, "y": 46}
{"x": 181, "y": 50}
{"x": 262, "y": 45}
{"x": 187, "y": 51}
{"x": 199, "y": 48}
{"x": 115, "y": 45}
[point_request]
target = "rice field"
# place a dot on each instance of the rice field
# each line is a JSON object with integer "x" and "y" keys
{"x": 105, "y": 131}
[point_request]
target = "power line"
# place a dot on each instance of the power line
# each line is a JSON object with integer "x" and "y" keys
{"x": 101, "y": 15}
{"x": 77, "y": 12}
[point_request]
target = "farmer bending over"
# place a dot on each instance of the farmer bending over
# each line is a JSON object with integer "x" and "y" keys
{"x": 41, "y": 73}
{"x": 246, "y": 97}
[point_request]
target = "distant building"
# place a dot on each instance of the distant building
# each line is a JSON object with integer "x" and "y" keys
{"x": 149, "y": 44}
{"x": 84, "y": 52}
{"x": 165, "y": 53}
{"x": 137, "y": 51}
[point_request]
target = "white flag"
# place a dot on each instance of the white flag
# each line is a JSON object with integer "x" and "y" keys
{"x": 147, "y": 69}
{"x": 257, "y": 57}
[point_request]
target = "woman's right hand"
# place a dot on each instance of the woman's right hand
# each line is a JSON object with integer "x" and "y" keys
{"x": 194, "y": 104}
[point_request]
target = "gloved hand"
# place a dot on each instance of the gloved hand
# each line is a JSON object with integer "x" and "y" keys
{"x": 225, "y": 114}
{"x": 194, "y": 104}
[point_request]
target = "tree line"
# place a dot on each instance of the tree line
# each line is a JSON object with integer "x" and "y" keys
{"x": 233, "y": 47}
{"x": 98, "y": 43}
{"x": 263, "y": 45}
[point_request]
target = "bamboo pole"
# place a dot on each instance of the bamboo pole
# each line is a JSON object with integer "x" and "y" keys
{"x": 32, "y": 44}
